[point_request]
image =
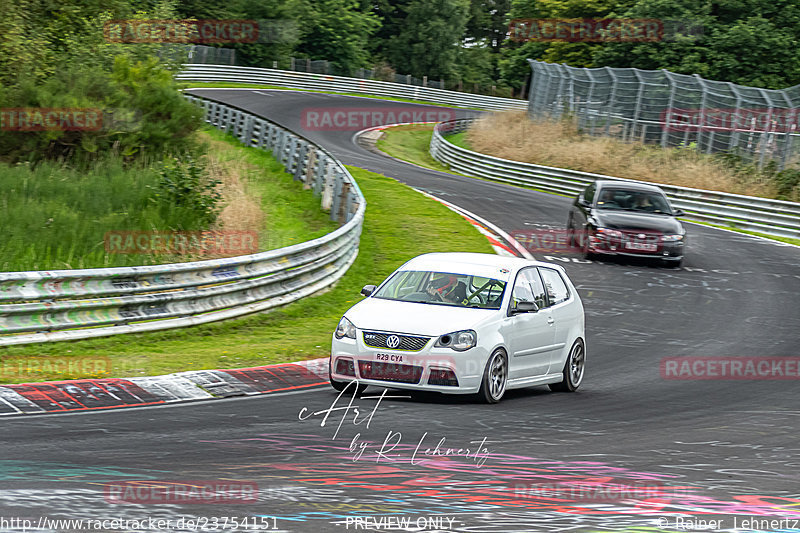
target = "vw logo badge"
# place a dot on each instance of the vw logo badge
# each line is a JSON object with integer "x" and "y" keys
{"x": 393, "y": 341}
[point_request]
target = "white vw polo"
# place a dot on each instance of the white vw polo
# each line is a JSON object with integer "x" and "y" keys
{"x": 464, "y": 323}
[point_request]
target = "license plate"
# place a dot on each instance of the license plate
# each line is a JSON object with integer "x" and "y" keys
{"x": 644, "y": 247}
{"x": 391, "y": 357}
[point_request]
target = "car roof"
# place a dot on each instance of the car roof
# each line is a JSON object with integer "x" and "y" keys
{"x": 631, "y": 185}
{"x": 438, "y": 260}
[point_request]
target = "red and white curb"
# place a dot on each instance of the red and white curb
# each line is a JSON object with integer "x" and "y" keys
{"x": 109, "y": 393}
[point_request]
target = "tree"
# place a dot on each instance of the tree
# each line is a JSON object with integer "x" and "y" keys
{"x": 430, "y": 35}
{"x": 750, "y": 42}
{"x": 337, "y": 30}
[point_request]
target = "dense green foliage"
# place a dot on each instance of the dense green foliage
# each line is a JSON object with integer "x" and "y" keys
{"x": 55, "y": 56}
{"x": 466, "y": 42}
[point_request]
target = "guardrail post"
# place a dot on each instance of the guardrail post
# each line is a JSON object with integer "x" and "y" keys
{"x": 344, "y": 202}
{"x": 320, "y": 175}
{"x": 301, "y": 160}
{"x": 311, "y": 168}
{"x": 328, "y": 185}
{"x": 277, "y": 149}
{"x": 290, "y": 154}
{"x": 248, "y": 130}
{"x": 336, "y": 199}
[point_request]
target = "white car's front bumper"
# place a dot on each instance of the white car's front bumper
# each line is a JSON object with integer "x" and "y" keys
{"x": 426, "y": 369}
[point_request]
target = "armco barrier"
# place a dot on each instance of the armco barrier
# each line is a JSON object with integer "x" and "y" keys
{"x": 76, "y": 304}
{"x": 770, "y": 217}
{"x": 321, "y": 82}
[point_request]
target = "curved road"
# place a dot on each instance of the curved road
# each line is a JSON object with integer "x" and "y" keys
{"x": 630, "y": 451}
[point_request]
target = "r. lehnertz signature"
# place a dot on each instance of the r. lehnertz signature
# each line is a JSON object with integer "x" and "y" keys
{"x": 392, "y": 446}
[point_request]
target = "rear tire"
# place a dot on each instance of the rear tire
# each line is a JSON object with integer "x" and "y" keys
{"x": 573, "y": 370}
{"x": 495, "y": 378}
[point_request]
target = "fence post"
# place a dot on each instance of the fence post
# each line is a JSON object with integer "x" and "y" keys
{"x": 638, "y": 107}
{"x": 424, "y": 81}
{"x": 668, "y": 114}
{"x": 702, "y": 112}
{"x": 766, "y": 134}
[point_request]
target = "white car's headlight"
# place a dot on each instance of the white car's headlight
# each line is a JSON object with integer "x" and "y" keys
{"x": 345, "y": 329}
{"x": 672, "y": 238}
{"x": 458, "y": 340}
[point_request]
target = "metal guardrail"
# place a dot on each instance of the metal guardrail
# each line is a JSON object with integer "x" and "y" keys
{"x": 76, "y": 304}
{"x": 321, "y": 82}
{"x": 770, "y": 217}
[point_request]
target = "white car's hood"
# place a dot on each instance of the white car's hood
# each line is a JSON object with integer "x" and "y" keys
{"x": 407, "y": 317}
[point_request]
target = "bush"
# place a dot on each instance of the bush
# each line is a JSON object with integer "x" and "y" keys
{"x": 142, "y": 114}
{"x": 185, "y": 185}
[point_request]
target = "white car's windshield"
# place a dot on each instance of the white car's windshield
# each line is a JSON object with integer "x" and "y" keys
{"x": 443, "y": 288}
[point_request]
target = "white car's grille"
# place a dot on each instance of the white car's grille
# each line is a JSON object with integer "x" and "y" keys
{"x": 393, "y": 341}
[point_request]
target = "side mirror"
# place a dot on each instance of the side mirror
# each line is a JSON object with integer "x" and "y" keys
{"x": 525, "y": 307}
{"x": 679, "y": 213}
{"x": 584, "y": 203}
{"x": 368, "y": 289}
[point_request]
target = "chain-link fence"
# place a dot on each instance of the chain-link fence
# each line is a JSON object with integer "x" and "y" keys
{"x": 661, "y": 107}
{"x": 210, "y": 55}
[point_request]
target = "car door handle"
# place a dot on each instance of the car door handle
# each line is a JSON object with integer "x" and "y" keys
{"x": 550, "y": 320}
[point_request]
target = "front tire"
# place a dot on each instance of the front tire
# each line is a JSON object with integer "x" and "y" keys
{"x": 573, "y": 370}
{"x": 495, "y": 378}
{"x": 587, "y": 253}
{"x": 340, "y": 385}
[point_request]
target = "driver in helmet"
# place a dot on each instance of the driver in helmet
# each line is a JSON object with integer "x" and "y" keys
{"x": 448, "y": 288}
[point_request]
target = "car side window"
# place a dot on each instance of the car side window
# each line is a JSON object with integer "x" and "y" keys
{"x": 522, "y": 290}
{"x": 557, "y": 291}
{"x": 588, "y": 194}
{"x": 536, "y": 286}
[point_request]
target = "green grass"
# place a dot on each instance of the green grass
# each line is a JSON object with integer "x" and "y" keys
{"x": 230, "y": 85}
{"x": 459, "y": 139}
{"x": 54, "y": 217}
{"x": 400, "y": 224}
{"x": 410, "y": 143}
{"x": 292, "y": 213}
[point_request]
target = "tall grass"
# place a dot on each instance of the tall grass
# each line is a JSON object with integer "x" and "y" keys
{"x": 54, "y": 217}
{"x": 511, "y": 135}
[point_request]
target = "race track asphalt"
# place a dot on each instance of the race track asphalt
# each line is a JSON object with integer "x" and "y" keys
{"x": 630, "y": 451}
